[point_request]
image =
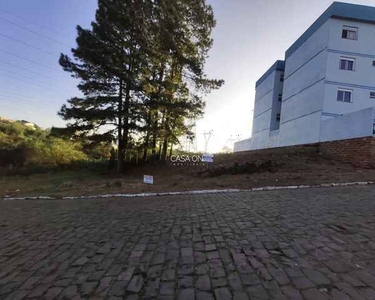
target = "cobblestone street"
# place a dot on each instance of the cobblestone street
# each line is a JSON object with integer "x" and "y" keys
{"x": 293, "y": 244}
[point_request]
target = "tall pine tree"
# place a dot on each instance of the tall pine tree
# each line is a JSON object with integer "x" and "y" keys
{"x": 108, "y": 61}
{"x": 141, "y": 71}
{"x": 182, "y": 40}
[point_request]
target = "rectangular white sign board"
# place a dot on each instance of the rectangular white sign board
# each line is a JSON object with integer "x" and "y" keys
{"x": 208, "y": 158}
{"x": 148, "y": 179}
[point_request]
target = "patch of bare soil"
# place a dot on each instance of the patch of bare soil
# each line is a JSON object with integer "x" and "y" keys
{"x": 239, "y": 170}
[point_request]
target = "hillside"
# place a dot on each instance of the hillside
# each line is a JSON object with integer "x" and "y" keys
{"x": 24, "y": 146}
{"x": 238, "y": 170}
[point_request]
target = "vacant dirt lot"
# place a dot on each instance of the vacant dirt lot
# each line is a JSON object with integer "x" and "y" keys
{"x": 243, "y": 170}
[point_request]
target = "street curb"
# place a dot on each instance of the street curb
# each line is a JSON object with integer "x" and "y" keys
{"x": 197, "y": 192}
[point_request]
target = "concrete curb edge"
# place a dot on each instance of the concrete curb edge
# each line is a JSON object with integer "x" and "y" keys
{"x": 197, "y": 192}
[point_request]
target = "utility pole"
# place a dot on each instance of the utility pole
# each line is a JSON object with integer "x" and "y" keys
{"x": 194, "y": 142}
{"x": 207, "y": 137}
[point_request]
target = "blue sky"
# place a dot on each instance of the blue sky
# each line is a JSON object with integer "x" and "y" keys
{"x": 250, "y": 35}
{"x": 36, "y": 94}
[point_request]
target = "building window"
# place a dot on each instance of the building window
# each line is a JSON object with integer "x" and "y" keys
{"x": 280, "y": 97}
{"x": 282, "y": 78}
{"x": 278, "y": 117}
{"x": 372, "y": 95}
{"x": 344, "y": 95}
{"x": 350, "y": 33}
{"x": 347, "y": 63}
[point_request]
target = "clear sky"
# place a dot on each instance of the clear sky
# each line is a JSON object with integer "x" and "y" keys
{"x": 249, "y": 37}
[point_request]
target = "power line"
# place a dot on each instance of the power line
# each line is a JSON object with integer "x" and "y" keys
{"x": 28, "y": 96}
{"x": 31, "y": 61}
{"x": 12, "y": 94}
{"x": 28, "y": 102}
{"x": 27, "y": 44}
{"x": 31, "y": 22}
{"x": 34, "y": 32}
{"x": 11, "y": 72}
{"x": 37, "y": 85}
{"x": 22, "y": 68}
{"x": 19, "y": 95}
{"x": 49, "y": 104}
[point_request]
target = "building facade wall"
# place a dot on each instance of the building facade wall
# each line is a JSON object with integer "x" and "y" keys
{"x": 310, "y": 111}
{"x": 266, "y": 108}
{"x": 361, "y": 81}
{"x": 262, "y": 122}
{"x": 276, "y": 101}
{"x": 263, "y": 104}
{"x": 274, "y": 139}
{"x": 308, "y": 50}
{"x": 303, "y": 92}
{"x": 243, "y": 145}
{"x": 365, "y": 43}
{"x": 355, "y": 124}
{"x": 260, "y": 140}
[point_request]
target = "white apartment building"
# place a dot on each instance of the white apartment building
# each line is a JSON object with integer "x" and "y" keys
{"x": 325, "y": 88}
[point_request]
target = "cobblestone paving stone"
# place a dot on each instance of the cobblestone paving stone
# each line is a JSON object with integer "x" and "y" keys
{"x": 290, "y": 244}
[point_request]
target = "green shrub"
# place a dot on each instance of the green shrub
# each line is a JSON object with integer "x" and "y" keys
{"x": 53, "y": 152}
{"x": 26, "y": 150}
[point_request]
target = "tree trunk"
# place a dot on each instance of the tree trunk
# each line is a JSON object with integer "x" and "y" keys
{"x": 166, "y": 138}
{"x": 156, "y": 115}
{"x": 171, "y": 151}
{"x": 165, "y": 149}
{"x": 154, "y": 134}
{"x": 147, "y": 139}
{"x": 160, "y": 148}
{"x": 120, "y": 150}
{"x": 126, "y": 117}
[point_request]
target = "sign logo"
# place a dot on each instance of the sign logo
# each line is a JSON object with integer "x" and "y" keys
{"x": 182, "y": 160}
